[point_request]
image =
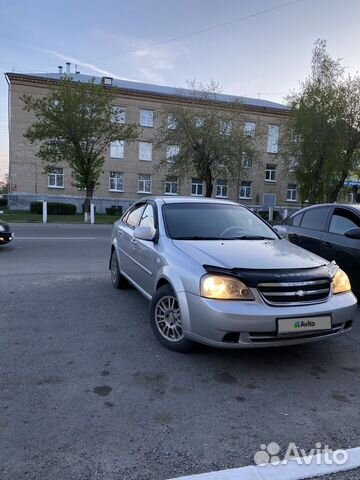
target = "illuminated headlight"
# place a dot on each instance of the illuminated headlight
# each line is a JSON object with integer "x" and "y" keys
{"x": 2, "y": 229}
{"x": 340, "y": 283}
{"x": 221, "y": 287}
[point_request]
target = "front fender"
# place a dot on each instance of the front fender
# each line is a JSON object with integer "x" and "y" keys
{"x": 180, "y": 285}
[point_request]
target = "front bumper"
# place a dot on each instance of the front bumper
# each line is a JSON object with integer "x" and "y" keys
{"x": 234, "y": 324}
{"x": 6, "y": 237}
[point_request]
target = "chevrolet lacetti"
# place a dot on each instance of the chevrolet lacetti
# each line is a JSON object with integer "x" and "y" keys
{"x": 216, "y": 273}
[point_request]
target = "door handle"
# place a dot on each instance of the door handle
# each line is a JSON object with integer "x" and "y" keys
{"x": 327, "y": 244}
{"x": 133, "y": 240}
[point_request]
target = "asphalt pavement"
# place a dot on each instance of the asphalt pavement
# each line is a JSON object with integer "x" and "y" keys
{"x": 86, "y": 392}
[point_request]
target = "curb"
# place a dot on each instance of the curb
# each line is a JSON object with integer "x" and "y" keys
{"x": 289, "y": 471}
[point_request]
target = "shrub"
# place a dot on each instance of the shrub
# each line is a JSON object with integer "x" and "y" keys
{"x": 53, "y": 208}
{"x": 114, "y": 210}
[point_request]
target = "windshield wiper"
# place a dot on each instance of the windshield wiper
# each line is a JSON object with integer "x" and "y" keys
{"x": 197, "y": 237}
{"x": 249, "y": 237}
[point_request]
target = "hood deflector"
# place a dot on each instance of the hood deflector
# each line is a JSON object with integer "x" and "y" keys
{"x": 252, "y": 277}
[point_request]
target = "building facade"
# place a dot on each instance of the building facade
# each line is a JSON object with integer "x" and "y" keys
{"x": 130, "y": 168}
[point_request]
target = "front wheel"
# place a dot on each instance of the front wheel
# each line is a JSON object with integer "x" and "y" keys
{"x": 117, "y": 280}
{"x": 165, "y": 317}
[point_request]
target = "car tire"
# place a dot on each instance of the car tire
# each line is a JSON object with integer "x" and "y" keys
{"x": 165, "y": 318}
{"x": 117, "y": 280}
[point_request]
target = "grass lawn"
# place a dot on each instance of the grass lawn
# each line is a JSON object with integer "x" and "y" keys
{"x": 27, "y": 217}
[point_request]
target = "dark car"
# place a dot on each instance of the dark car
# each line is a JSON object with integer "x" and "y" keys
{"x": 331, "y": 231}
{"x": 6, "y": 234}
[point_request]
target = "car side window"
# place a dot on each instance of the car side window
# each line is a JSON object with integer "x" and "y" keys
{"x": 297, "y": 219}
{"x": 315, "y": 219}
{"x": 147, "y": 218}
{"x": 294, "y": 220}
{"x": 133, "y": 216}
{"x": 342, "y": 221}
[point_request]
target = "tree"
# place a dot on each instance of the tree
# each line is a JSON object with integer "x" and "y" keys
{"x": 75, "y": 124}
{"x": 204, "y": 136}
{"x": 4, "y": 184}
{"x": 323, "y": 135}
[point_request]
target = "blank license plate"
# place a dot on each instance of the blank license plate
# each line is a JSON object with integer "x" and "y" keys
{"x": 306, "y": 324}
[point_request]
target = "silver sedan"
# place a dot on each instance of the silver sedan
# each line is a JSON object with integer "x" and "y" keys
{"x": 217, "y": 274}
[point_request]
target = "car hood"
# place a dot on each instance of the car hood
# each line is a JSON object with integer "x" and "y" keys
{"x": 249, "y": 254}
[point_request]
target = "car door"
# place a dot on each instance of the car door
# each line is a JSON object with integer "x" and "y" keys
{"x": 312, "y": 225}
{"x": 345, "y": 251}
{"x": 144, "y": 251}
{"x": 125, "y": 238}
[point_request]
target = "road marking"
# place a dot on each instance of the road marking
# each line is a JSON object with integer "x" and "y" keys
{"x": 56, "y": 238}
{"x": 290, "y": 471}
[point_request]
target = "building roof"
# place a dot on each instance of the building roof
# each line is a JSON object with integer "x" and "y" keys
{"x": 148, "y": 88}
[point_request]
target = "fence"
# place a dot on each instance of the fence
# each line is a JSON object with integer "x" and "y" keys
{"x": 44, "y": 204}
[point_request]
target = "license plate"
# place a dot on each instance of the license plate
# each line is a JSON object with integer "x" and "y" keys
{"x": 305, "y": 324}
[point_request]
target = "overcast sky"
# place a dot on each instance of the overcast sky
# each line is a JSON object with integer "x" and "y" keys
{"x": 266, "y": 54}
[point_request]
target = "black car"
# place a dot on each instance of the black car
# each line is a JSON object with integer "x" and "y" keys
{"x": 331, "y": 231}
{"x": 6, "y": 234}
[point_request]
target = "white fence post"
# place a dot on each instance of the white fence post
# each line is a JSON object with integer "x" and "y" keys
{"x": 92, "y": 213}
{"x": 271, "y": 213}
{"x": 45, "y": 211}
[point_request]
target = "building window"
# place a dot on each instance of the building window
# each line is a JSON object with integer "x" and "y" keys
{"x": 144, "y": 184}
{"x": 221, "y": 188}
{"x": 225, "y": 127}
{"x": 171, "y": 186}
{"x": 245, "y": 190}
{"x": 145, "y": 151}
{"x": 117, "y": 114}
{"x": 172, "y": 151}
{"x": 197, "y": 187}
{"x": 273, "y": 139}
{"x": 270, "y": 173}
{"x": 246, "y": 161}
{"x": 117, "y": 149}
{"x": 199, "y": 122}
{"x": 146, "y": 118}
{"x": 291, "y": 194}
{"x": 249, "y": 129}
{"x": 56, "y": 178}
{"x": 293, "y": 163}
{"x": 171, "y": 122}
{"x": 116, "y": 182}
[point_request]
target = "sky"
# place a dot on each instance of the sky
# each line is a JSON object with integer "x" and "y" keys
{"x": 251, "y": 47}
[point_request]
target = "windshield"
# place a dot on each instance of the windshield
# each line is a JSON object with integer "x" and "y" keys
{"x": 205, "y": 221}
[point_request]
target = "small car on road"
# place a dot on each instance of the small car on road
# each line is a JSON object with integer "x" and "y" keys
{"x": 217, "y": 274}
{"x": 6, "y": 234}
{"x": 331, "y": 231}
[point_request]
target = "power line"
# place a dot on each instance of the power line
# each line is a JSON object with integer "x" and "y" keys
{"x": 197, "y": 32}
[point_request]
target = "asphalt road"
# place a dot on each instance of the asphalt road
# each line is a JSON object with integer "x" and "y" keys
{"x": 87, "y": 392}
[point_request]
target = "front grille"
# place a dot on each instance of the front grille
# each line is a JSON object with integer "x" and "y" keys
{"x": 295, "y": 293}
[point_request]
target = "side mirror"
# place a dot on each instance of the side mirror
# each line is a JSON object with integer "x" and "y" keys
{"x": 353, "y": 233}
{"x": 144, "y": 233}
{"x": 281, "y": 231}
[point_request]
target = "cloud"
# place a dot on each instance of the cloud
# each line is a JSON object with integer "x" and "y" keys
{"x": 151, "y": 61}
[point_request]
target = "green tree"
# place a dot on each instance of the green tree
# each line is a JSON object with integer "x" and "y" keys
{"x": 75, "y": 123}
{"x": 204, "y": 136}
{"x": 322, "y": 136}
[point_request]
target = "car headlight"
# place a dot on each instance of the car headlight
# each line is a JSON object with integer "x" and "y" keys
{"x": 340, "y": 283}
{"x": 221, "y": 287}
{"x": 2, "y": 229}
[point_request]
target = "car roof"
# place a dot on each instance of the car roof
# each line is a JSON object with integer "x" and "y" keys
{"x": 178, "y": 199}
{"x": 348, "y": 206}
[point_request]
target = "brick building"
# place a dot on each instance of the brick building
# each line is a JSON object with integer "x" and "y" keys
{"x": 129, "y": 171}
